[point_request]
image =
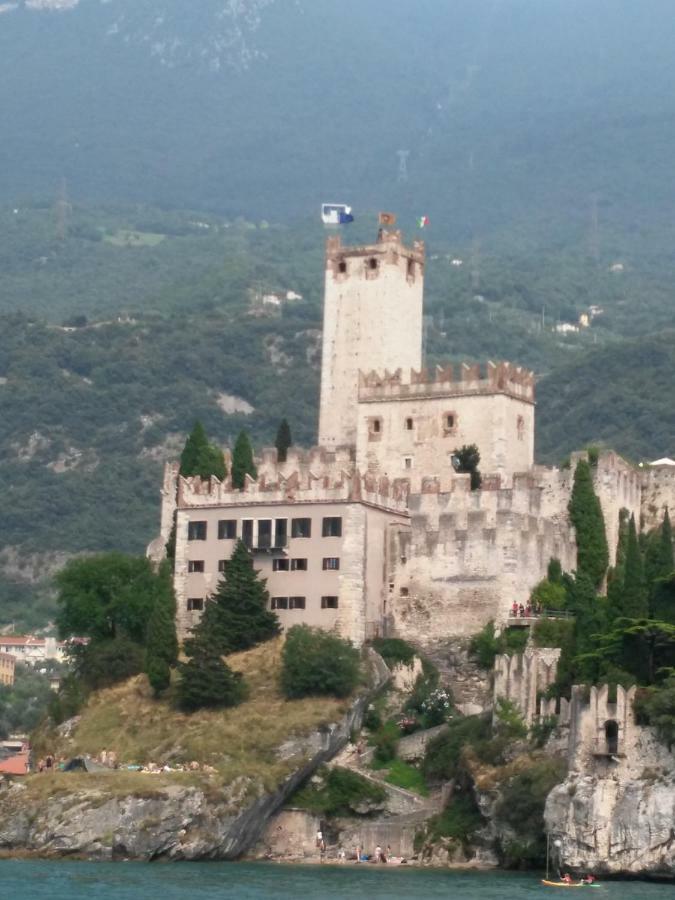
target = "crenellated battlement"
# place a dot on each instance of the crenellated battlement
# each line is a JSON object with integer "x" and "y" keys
{"x": 288, "y": 485}
{"x": 389, "y": 249}
{"x": 448, "y": 381}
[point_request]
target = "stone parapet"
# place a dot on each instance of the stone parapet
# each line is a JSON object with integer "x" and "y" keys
{"x": 448, "y": 381}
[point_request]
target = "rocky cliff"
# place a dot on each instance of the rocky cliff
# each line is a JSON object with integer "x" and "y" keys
{"x": 617, "y": 815}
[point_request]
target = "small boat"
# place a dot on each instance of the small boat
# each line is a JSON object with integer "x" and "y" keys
{"x": 569, "y": 884}
{"x": 336, "y": 214}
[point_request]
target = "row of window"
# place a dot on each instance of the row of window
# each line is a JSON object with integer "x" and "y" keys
{"x": 196, "y": 604}
{"x": 270, "y": 533}
{"x": 330, "y": 564}
{"x": 299, "y": 603}
{"x": 449, "y": 423}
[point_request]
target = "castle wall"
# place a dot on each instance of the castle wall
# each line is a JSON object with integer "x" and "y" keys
{"x": 467, "y": 556}
{"x": 413, "y": 438}
{"x": 520, "y": 678}
{"x": 372, "y": 318}
{"x": 658, "y": 494}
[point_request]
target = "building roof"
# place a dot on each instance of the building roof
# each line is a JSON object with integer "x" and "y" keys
{"x": 15, "y": 765}
{"x": 664, "y": 461}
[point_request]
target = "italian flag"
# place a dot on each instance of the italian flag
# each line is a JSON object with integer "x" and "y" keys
{"x": 423, "y": 221}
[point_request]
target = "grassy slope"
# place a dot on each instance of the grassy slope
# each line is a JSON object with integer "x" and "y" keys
{"x": 238, "y": 742}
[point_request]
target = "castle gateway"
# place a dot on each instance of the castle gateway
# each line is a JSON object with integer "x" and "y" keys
{"x": 374, "y": 532}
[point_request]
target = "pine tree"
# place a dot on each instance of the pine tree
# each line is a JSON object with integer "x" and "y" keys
{"x": 554, "y": 571}
{"x": 615, "y": 576}
{"x": 283, "y": 440}
{"x": 206, "y": 681}
{"x": 161, "y": 652}
{"x": 199, "y": 457}
{"x": 589, "y": 625}
{"x": 586, "y": 516}
{"x": 237, "y": 616}
{"x": 633, "y": 596}
{"x": 242, "y": 461}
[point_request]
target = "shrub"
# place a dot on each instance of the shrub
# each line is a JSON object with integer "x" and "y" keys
{"x": 394, "y": 651}
{"x": 658, "y": 707}
{"x": 103, "y": 663}
{"x": 403, "y": 775}
{"x": 541, "y": 731}
{"x": 372, "y": 719}
{"x": 443, "y": 753}
{"x": 208, "y": 682}
{"x": 342, "y": 793}
{"x": 385, "y": 740}
{"x": 436, "y": 708}
{"x": 553, "y": 633}
{"x": 460, "y": 819}
{"x": 521, "y": 804}
{"x": 510, "y": 723}
{"x": 484, "y": 646}
{"x": 315, "y": 662}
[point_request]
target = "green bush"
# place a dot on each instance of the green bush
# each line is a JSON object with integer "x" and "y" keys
{"x": 207, "y": 682}
{"x": 385, "y": 740}
{"x": 103, "y": 663}
{"x": 315, "y": 662}
{"x": 443, "y": 753}
{"x": 484, "y": 646}
{"x": 521, "y": 804}
{"x": 657, "y": 707}
{"x": 542, "y": 729}
{"x": 553, "y": 633}
{"x": 460, "y": 819}
{"x": 394, "y": 651}
{"x": 510, "y": 723}
{"x": 341, "y": 793}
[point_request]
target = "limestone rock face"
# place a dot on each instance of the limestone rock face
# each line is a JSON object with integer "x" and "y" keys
{"x": 617, "y": 819}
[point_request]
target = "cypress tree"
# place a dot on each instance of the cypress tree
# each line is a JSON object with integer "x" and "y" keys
{"x": 242, "y": 461}
{"x": 554, "y": 571}
{"x": 161, "y": 651}
{"x": 466, "y": 460}
{"x": 237, "y": 615}
{"x": 615, "y": 576}
{"x": 199, "y": 457}
{"x": 283, "y": 440}
{"x": 666, "y": 561}
{"x": 206, "y": 681}
{"x": 586, "y": 516}
{"x": 633, "y": 596}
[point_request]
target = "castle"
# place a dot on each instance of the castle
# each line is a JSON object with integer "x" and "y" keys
{"x": 373, "y": 532}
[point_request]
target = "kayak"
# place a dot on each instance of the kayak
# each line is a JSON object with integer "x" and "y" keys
{"x": 566, "y": 884}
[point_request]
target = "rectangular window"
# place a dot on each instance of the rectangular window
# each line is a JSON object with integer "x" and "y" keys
{"x": 298, "y": 565}
{"x": 247, "y": 532}
{"x": 280, "y": 532}
{"x": 227, "y": 530}
{"x": 265, "y": 534}
{"x": 329, "y": 603}
{"x": 301, "y": 528}
{"x": 407, "y": 462}
{"x": 332, "y": 526}
{"x": 281, "y": 565}
{"x": 196, "y": 565}
{"x": 296, "y": 602}
{"x": 195, "y": 604}
{"x": 408, "y": 424}
{"x": 196, "y": 531}
{"x": 279, "y": 602}
{"x": 331, "y": 563}
{"x": 222, "y": 565}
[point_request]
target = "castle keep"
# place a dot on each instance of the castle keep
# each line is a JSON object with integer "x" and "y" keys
{"x": 374, "y": 532}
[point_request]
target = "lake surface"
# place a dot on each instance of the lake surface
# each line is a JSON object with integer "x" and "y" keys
{"x": 243, "y": 881}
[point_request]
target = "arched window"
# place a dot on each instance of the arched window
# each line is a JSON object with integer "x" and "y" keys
{"x": 612, "y": 737}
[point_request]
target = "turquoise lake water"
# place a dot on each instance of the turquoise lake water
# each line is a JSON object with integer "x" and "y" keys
{"x": 227, "y": 881}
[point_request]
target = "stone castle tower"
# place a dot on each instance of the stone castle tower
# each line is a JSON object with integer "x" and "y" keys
{"x": 372, "y": 320}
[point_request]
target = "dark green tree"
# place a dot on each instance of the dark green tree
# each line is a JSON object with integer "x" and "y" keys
{"x": 315, "y": 662}
{"x": 161, "y": 652}
{"x": 658, "y": 557}
{"x": 662, "y": 605}
{"x": 199, "y": 457}
{"x": 283, "y": 440}
{"x": 632, "y": 598}
{"x": 107, "y": 596}
{"x": 237, "y": 615}
{"x": 242, "y": 461}
{"x": 206, "y": 681}
{"x": 615, "y": 575}
{"x": 466, "y": 459}
{"x": 589, "y": 524}
{"x": 640, "y": 647}
{"x": 554, "y": 571}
